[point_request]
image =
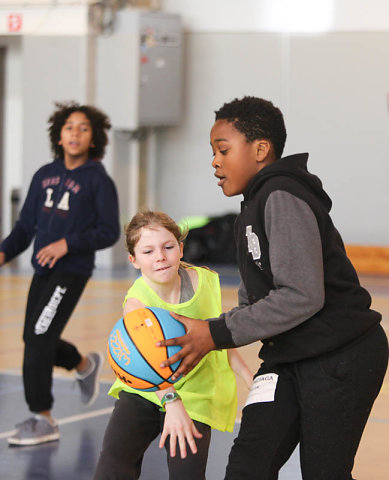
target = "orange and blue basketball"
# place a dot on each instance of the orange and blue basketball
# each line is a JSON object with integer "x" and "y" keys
{"x": 132, "y": 351}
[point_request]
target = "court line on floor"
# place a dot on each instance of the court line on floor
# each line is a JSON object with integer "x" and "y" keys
{"x": 71, "y": 419}
{"x": 16, "y": 372}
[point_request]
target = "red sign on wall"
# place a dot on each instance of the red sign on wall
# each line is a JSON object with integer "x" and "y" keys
{"x": 15, "y": 22}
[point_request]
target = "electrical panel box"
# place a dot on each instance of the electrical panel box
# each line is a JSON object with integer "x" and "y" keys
{"x": 139, "y": 70}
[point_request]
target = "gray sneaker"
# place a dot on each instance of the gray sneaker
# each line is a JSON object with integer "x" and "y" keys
{"x": 89, "y": 381}
{"x": 33, "y": 431}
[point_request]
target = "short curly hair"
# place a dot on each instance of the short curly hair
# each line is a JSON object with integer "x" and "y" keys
{"x": 100, "y": 123}
{"x": 257, "y": 119}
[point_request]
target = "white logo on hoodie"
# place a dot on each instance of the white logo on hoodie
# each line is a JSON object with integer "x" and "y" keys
{"x": 63, "y": 204}
{"x": 253, "y": 243}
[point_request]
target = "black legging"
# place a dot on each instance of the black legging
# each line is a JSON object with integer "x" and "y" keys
{"x": 51, "y": 300}
{"x": 134, "y": 424}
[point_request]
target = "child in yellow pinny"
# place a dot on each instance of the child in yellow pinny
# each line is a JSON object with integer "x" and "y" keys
{"x": 204, "y": 399}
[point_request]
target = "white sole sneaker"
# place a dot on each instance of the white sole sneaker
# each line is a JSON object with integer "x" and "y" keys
{"x": 33, "y": 441}
{"x": 34, "y": 431}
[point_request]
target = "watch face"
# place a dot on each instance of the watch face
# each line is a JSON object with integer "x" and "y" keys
{"x": 170, "y": 397}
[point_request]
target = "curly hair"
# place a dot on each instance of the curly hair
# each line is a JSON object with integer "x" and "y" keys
{"x": 257, "y": 119}
{"x": 99, "y": 121}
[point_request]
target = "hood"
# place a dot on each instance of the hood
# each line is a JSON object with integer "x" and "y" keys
{"x": 294, "y": 166}
{"x": 91, "y": 164}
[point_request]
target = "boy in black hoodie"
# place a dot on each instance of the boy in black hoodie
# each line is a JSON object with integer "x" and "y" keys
{"x": 72, "y": 210}
{"x": 324, "y": 351}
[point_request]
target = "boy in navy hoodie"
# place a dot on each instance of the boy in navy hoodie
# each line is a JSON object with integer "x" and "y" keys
{"x": 324, "y": 352}
{"x": 72, "y": 210}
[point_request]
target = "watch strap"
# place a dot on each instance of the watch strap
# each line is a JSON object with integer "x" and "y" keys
{"x": 170, "y": 397}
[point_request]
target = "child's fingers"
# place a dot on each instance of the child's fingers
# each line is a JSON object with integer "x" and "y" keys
{"x": 173, "y": 442}
{"x": 51, "y": 253}
{"x": 182, "y": 445}
{"x": 162, "y": 440}
{"x": 189, "y": 361}
{"x": 53, "y": 262}
{"x": 191, "y": 443}
{"x": 195, "y": 345}
{"x": 196, "y": 433}
{"x": 174, "y": 358}
{"x": 44, "y": 256}
{"x": 181, "y": 439}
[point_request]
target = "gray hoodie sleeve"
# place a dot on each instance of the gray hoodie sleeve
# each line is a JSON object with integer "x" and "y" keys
{"x": 296, "y": 261}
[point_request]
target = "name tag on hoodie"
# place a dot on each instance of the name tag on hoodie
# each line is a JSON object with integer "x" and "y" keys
{"x": 263, "y": 389}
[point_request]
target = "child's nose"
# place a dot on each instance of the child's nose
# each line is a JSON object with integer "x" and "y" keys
{"x": 161, "y": 255}
{"x": 76, "y": 132}
{"x": 215, "y": 162}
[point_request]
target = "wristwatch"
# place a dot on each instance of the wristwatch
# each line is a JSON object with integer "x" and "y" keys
{"x": 170, "y": 397}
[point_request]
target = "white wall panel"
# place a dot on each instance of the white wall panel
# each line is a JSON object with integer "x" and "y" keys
{"x": 218, "y": 68}
{"x": 333, "y": 89}
{"x": 338, "y": 111}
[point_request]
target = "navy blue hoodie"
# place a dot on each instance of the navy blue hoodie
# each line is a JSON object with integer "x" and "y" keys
{"x": 80, "y": 205}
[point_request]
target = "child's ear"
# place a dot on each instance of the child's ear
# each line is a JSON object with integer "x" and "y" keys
{"x": 131, "y": 258}
{"x": 263, "y": 148}
{"x": 59, "y": 142}
{"x": 181, "y": 250}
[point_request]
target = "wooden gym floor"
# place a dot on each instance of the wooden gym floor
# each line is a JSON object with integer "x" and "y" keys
{"x": 75, "y": 455}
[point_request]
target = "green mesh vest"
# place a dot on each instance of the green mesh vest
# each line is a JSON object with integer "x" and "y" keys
{"x": 209, "y": 390}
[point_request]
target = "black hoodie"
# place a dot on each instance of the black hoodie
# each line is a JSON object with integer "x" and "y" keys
{"x": 300, "y": 294}
{"x": 80, "y": 205}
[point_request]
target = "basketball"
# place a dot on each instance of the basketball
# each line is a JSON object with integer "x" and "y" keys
{"x": 132, "y": 351}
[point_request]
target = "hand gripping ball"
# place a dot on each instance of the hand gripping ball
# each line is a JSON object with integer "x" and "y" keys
{"x": 132, "y": 351}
